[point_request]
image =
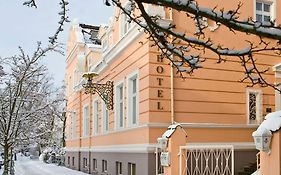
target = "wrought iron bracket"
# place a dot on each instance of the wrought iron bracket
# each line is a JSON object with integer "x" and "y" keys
{"x": 105, "y": 91}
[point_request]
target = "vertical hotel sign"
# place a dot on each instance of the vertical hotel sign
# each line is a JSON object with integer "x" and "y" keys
{"x": 160, "y": 92}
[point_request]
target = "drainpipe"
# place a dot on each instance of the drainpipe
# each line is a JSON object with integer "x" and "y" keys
{"x": 172, "y": 80}
{"x": 80, "y": 131}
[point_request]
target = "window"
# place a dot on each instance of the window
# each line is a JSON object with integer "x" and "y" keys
{"x": 264, "y": 11}
{"x": 131, "y": 169}
{"x": 73, "y": 159}
{"x": 118, "y": 168}
{"x": 133, "y": 99}
{"x": 278, "y": 99}
{"x": 105, "y": 117}
{"x": 254, "y": 106}
{"x": 68, "y": 160}
{"x": 96, "y": 116}
{"x": 119, "y": 109}
{"x": 69, "y": 134}
{"x": 160, "y": 169}
{"x": 95, "y": 165}
{"x": 125, "y": 24}
{"x": 105, "y": 42}
{"x": 85, "y": 162}
{"x": 74, "y": 125}
{"x": 86, "y": 121}
{"x": 104, "y": 166}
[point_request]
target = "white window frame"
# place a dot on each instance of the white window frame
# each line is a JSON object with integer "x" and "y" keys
{"x": 130, "y": 167}
{"x": 69, "y": 119}
{"x": 105, "y": 41}
{"x": 259, "y": 106}
{"x": 74, "y": 118}
{"x": 104, "y": 166}
{"x": 105, "y": 118}
{"x": 130, "y": 78}
{"x": 86, "y": 134}
{"x": 95, "y": 116}
{"x": 277, "y": 71}
{"x": 278, "y": 99}
{"x": 119, "y": 168}
{"x": 125, "y": 26}
{"x": 95, "y": 164}
{"x": 117, "y": 103}
{"x": 272, "y": 12}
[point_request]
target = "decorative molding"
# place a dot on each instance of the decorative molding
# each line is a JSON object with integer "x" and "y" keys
{"x": 150, "y": 148}
{"x": 130, "y": 148}
{"x": 236, "y": 145}
{"x": 214, "y": 125}
{"x": 126, "y": 148}
{"x": 119, "y": 47}
{"x": 277, "y": 69}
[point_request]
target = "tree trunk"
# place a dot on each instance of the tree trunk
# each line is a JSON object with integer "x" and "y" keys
{"x": 11, "y": 162}
{"x": 6, "y": 158}
{"x": 63, "y": 130}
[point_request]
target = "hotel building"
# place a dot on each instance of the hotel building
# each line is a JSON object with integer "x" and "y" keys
{"x": 209, "y": 108}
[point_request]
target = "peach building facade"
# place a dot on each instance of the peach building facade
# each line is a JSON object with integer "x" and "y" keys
{"x": 211, "y": 107}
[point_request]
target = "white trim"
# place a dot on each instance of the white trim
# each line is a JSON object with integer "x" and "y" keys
{"x": 277, "y": 69}
{"x": 278, "y": 99}
{"x": 185, "y": 125}
{"x": 127, "y": 148}
{"x": 236, "y": 145}
{"x": 95, "y": 112}
{"x": 112, "y": 53}
{"x": 74, "y": 124}
{"x": 150, "y": 148}
{"x": 104, "y": 111}
{"x": 272, "y": 8}
{"x": 259, "y": 105}
{"x": 84, "y": 134}
{"x": 130, "y": 77}
{"x": 214, "y": 125}
{"x": 116, "y": 102}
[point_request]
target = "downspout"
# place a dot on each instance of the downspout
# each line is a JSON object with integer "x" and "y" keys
{"x": 80, "y": 131}
{"x": 172, "y": 79}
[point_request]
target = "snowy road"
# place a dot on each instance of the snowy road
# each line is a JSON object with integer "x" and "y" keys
{"x": 26, "y": 166}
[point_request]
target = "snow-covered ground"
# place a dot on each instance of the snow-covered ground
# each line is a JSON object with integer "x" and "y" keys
{"x": 26, "y": 166}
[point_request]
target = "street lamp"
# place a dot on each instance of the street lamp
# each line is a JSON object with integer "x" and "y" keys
{"x": 105, "y": 91}
{"x": 262, "y": 138}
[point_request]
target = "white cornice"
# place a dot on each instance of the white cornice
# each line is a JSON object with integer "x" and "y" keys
{"x": 119, "y": 47}
{"x": 70, "y": 55}
{"x": 126, "y": 148}
{"x": 214, "y": 125}
{"x": 150, "y": 148}
{"x": 130, "y": 148}
{"x": 236, "y": 145}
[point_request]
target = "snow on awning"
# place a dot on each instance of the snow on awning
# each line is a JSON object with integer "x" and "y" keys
{"x": 171, "y": 129}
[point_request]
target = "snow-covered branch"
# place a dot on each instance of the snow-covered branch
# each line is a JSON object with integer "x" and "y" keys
{"x": 186, "y": 50}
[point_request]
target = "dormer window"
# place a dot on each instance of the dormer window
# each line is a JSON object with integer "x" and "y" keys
{"x": 125, "y": 24}
{"x": 105, "y": 43}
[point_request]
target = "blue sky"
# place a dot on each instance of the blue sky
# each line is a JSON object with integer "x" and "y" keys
{"x": 24, "y": 26}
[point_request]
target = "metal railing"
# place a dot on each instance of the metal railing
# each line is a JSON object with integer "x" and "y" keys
{"x": 206, "y": 159}
{"x": 258, "y": 160}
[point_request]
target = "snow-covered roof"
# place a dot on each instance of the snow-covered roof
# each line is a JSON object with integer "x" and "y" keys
{"x": 171, "y": 129}
{"x": 271, "y": 123}
{"x": 90, "y": 34}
